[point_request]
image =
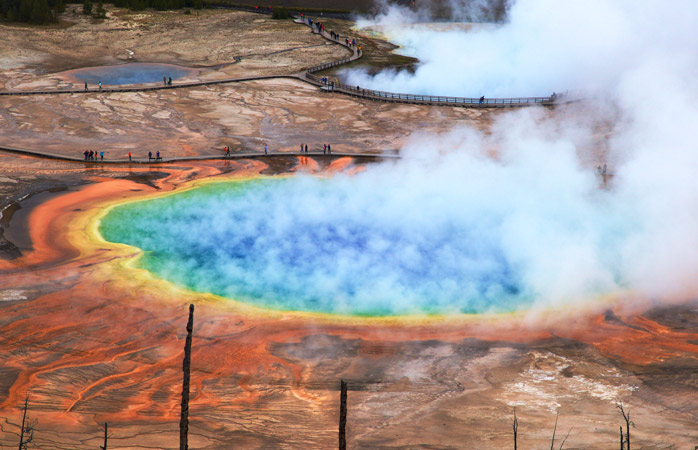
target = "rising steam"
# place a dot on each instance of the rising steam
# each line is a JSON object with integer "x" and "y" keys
{"x": 469, "y": 221}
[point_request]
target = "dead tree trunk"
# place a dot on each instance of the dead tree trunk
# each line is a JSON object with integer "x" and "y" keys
{"x": 24, "y": 420}
{"x": 515, "y": 426}
{"x": 26, "y": 433}
{"x": 186, "y": 368}
{"x": 343, "y": 416}
{"x": 628, "y": 422}
{"x": 621, "y": 437}
{"x": 104, "y": 447}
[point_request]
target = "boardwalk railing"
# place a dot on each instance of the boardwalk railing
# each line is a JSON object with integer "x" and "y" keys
{"x": 336, "y": 86}
{"x": 430, "y": 99}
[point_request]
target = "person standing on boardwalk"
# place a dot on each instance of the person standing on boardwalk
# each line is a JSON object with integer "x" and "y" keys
{"x": 129, "y": 156}
{"x": 157, "y": 156}
{"x": 306, "y": 148}
{"x": 85, "y": 85}
{"x": 150, "y": 156}
{"x": 482, "y": 100}
{"x": 101, "y": 155}
{"x": 100, "y": 85}
{"x": 265, "y": 149}
{"x": 86, "y": 153}
{"x": 324, "y": 149}
{"x": 329, "y": 149}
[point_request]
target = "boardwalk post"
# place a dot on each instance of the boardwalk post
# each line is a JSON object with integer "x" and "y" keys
{"x": 186, "y": 368}
{"x": 343, "y": 416}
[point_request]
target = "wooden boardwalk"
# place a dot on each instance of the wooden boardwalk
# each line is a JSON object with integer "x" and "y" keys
{"x": 233, "y": 156}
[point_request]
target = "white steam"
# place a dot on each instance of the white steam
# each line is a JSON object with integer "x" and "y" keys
{"x": 546, "y": 46}
{"x": 412, "y": 232}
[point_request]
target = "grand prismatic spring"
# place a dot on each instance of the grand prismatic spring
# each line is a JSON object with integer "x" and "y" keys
{"x": 459, "y": 267}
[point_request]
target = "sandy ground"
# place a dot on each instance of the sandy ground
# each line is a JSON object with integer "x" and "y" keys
{"x": 92, "y": 341}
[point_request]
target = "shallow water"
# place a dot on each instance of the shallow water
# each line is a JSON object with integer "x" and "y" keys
{"x": 263, "y": 242}
{"x": 132, "y": 73}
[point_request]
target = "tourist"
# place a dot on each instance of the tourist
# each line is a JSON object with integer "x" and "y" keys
{"x": 157, "y": 156}
{"x": 306, "y": 148}
{"x": 324, "y": 149}
{"x": 265, "y": 149}
{"x": 169, "y": 81}
{"x": 164, "y": 81}
{"x": 129, "y": 156}
{"x": 482, "y": 100}
{"x": 301, "y": 148}
{"x": 100, "y": 85}
{"x": 86, "y": 153}
{"x": 101, "y": 155}
{"x": 329, "y": 149}
{"x": 85, "y": 85}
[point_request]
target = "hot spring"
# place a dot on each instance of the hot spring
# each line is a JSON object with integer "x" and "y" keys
{"x": 132, "y": 73}
{"x": 310, "y": 244}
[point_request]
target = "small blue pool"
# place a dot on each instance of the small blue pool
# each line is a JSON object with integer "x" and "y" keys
{"x": 132, "y": 73}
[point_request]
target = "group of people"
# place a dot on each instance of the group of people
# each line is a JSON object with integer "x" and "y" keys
{"x": 150, "y": 156}
{"x": 99, "y": 84}
{"x": 320, "y": 27}
{"x": 91, "y": 155}
{"x": 326, "y": 149}
{"x": 167, "y": 81}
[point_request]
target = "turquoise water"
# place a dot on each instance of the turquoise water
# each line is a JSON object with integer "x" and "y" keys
{"x": 131, "y": 73}
{"x": 309, "y": 244}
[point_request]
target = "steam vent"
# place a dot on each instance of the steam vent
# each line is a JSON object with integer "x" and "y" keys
{"x": 348, "y": 224}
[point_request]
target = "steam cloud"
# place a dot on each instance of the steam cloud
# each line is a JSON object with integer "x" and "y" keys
{"x": 449, "y": 227}
{"x": 546, "y": 46}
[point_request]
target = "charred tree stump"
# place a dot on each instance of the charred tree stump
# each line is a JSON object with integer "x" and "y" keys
{"x": 186, "y": 368}
{"x": 343, "y": 416}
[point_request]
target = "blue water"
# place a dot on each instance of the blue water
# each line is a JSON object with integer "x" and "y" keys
{"x": 132, "y": 73}
{"x": 315, "y": 245}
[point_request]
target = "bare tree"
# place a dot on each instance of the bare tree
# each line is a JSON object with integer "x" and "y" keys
{"x": 628, "y": 422}
{"x": 26, "y": 433}
{"x": 515, "y": 427}
{"x": 186, "y": 368}
{"x": 343, "y": 415}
